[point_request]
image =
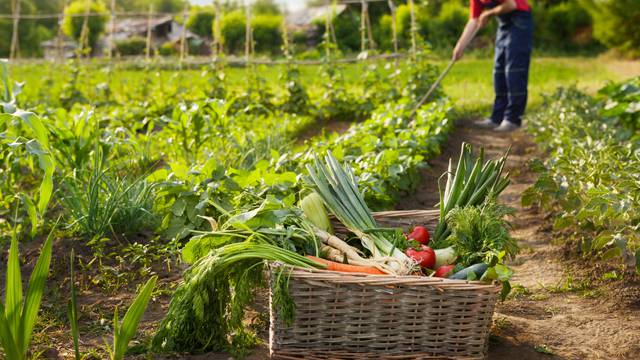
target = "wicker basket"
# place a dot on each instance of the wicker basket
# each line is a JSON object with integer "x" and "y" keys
{"x": 353, "y": 316}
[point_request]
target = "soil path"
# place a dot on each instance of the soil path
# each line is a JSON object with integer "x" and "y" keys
{"x": 551, "y": 314}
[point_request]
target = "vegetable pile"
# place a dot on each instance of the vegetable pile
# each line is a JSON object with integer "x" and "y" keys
{"x": 471, "y": 242}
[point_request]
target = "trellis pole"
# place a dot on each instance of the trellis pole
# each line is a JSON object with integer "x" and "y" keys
{"x": 216, "y": 46}
{"x": 414, "y": 29}
{"x": 327, "y": 36}
{"x": 334, "y": 4}
{"x": 363, "y": 38}
{"x": 13, "y": 53}
{"x": 112, "y": 29}
{"x": 59, "y": 40}
{"x": 285, "y": 38}
{"x": 84, "y": 33}
{"x": 248, "y": 37}
{"x": 147, "y": 53}
{"x": 394, "y": 31}
{"x": 183, "y": 35}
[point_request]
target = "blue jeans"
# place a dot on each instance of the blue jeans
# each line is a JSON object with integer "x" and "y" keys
{"x": 511, "y": 66}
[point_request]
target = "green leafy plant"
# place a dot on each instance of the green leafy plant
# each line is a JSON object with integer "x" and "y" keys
{"x": 18, "y": 315}
{"x": 123, "y": 331}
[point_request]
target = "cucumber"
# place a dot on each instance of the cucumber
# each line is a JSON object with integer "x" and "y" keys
{"x": 477, "y": 269}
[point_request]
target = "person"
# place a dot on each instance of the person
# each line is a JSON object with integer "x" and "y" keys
{"x": 512, "y": 57}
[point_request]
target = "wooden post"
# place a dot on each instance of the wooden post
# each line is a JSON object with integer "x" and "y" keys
{"x": 372, "y": 44}
{"x": 84, "y": 33}
{"x": 247, "y": 36}
{"x": 215, "y": 49}
{"x": 183, "y": 36}
{"x": 394, "y": 31}
{"x": 327, "y": 37}
{"x": 285, "y": 37}
{"x": 112, "y": 29}
{"x": 59, "y": 39}
{"x": 13, "y": 53}
{"x": 363, "y": 36}
{"x": 147, "y": 52}
{"x": 414, "y": 29}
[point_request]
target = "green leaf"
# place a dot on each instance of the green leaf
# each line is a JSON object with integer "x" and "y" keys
{"x": 638, "y": 261}
{"x": 6, "y": 338}
{"x": 37, "y": 282}
{"x": 73, "y": 308}
{"x": 611, "y": 253}
{"x": 127, "y": 329}
{"x": 13, "y": 289}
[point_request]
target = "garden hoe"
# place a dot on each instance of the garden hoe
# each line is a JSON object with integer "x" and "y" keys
{"x": 439, "y": 79}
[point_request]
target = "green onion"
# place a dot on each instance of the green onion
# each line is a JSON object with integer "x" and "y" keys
{"x": 473, "y": 182}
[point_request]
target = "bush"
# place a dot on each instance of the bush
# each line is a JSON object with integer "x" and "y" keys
{"x": 232, "y": 27}
{"x": 347, "y": 28}
{"x": 267, "y": 33}
{"x": 200, "y": 21}
{"x": 72, "y": 26}
{"x": 563, "y": 26}
{"x": 132, "y": 46}
{"x": 444, "y": 30}
{"x": 167, "y": 49}
{"x": 616, "y": 24}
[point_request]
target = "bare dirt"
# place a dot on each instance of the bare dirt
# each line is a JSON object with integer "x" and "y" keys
{"x": 557, "y": 308}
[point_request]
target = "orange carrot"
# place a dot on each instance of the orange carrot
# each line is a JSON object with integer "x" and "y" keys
{"x": 336, "y": 266}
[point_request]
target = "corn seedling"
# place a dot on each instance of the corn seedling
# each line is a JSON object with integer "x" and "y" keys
{"x": 18, "y": 315}
{"x": 124, "y": 331}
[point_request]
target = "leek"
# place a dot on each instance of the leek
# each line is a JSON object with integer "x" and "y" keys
{"x": 338, "y": 188}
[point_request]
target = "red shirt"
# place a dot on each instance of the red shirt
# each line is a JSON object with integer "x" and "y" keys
{"x": 477, "y": 6}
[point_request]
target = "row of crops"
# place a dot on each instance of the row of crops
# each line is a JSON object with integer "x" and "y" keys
{"x": 127, "y": 177}
{"x": 591, "y": 177}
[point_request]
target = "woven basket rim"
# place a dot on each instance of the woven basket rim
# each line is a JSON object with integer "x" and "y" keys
{"x": 370, "y": 279}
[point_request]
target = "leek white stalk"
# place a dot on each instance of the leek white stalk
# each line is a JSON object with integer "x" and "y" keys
{"x": 339, "y": 190}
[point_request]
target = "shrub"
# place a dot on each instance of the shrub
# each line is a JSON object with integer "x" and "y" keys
{"x": 167, "y": 49}
{"x": 132, "y": 46}
{"x": 347, "y": 28}
{"x": 201, "y": 21}
{"x": 267, "y": 33}
{"x": 446, "y": 28}
{"x": 232, "y": 27}
{"x": 72, "y": 25}
{"x": 563, "y": 26}
{"x": 616, "y": 24}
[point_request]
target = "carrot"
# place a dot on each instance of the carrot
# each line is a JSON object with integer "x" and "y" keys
{"x": 336, "y": 266}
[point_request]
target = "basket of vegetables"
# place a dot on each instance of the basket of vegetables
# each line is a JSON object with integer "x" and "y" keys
{"x": 349, "y": 283}
{"x": 387, "y": 289}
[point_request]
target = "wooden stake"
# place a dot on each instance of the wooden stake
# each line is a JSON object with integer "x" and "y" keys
{"x": 216, "y": 46}
{"x": 414, "y": 29}
{"x": 363, "y": 36}
{"x": 13, "y": 53}
{"x": 247, "y": 35}
{"x": 183, "y": 36}
{"x": 84, "y": 33}
{"x": 59, "y": 39}
{"x": 112, "y": 29}
{"x": 147, "y": 53}
{"x": 394, "y": 31}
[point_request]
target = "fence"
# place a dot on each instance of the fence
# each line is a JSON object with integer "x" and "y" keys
{"x": 366, "y": 33}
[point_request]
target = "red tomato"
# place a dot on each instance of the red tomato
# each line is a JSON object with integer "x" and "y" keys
{"x": 426, "y": 257}
{"x": 420, "y": 234}
{"x": 444, "y": 271}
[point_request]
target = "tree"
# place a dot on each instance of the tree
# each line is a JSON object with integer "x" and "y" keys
{"x": 265, "y": 7}
{"x": 201, "y": 20}
{"x": 616, "y": 24}
{"x": 74, "y": 21}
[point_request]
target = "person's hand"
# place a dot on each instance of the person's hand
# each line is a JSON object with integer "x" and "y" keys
{"x": 484, "y": 18}
{"x": 457, "y": 53}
